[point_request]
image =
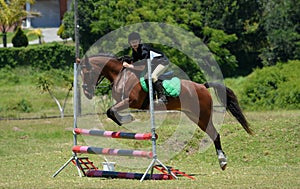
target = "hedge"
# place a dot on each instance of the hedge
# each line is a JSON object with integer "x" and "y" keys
{"x": 46, "y": 56}
{"x": 270, "y": 88}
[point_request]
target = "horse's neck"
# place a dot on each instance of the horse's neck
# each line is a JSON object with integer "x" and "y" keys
{"x": 111, "y": 69}
{"x": 130, "y": 75}
{"x": 124, "y": 83}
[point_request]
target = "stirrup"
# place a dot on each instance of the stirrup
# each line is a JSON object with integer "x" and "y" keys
{"x": 162, "y": 99}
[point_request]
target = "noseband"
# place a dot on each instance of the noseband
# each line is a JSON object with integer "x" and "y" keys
{"x": 90, "y": 75}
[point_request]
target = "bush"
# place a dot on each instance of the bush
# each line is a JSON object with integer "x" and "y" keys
{"x": 270, "y": 88}
{"x": 24, "y": 106}
{"x": 20, "y": 39}
{"x": 50, "y": 55}
{"x": 62, "y": 32}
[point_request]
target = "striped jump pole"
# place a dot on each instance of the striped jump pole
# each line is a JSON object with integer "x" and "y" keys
{"x": 126, "y": 175}
{"x": 111, "y": 151}
{"x": 113, "y": 134}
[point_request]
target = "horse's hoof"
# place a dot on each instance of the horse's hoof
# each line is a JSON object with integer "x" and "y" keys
{"x": 222, "y": 160}
{"x": 126, "y": 119}
{"x": 223, "y": 165}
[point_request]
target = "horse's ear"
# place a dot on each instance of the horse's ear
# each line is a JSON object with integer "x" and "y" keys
{"x": 87, "y": 63}
{"x": 86, "y": 59}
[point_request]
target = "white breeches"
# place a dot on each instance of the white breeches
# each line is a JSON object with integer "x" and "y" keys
{"x": 158, "y": 71}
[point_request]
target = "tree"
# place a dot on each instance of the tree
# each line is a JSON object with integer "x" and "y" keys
{"x": 282, "y": 26}
{"x": 223, "y": 56}
{"x": 45, "y": 83}
{"x": 38, "y": 33}
{"x": 20, "y": 39}
{"x": 242, "y": 18}
{"x": 98, "y": 18}
{"x": 11, "y": 14}
{"x": 85, "y": 14}
{"x": 62, "y": 33}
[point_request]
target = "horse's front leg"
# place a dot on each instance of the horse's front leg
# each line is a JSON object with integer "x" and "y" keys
{"x": 113, "y": 114}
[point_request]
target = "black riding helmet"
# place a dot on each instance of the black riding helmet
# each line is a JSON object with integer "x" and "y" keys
{"x": 134, "y": 36}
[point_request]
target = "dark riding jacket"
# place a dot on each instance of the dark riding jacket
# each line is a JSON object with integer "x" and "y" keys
{"x": 143, "y": 53}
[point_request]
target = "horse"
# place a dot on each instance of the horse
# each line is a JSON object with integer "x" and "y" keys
{"x": 128, "y": 93}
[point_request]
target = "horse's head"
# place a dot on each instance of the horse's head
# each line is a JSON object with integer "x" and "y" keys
{"x": 95, "y": 68}
{"x": 90, "y": 76}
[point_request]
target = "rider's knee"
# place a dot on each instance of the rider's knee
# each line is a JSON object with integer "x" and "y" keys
{"x": 154, "y": 78}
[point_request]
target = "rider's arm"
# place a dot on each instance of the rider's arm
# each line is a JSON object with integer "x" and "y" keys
{"x": 127, "y": 65}
{"x": 145, "y": 52}
{"x": 127, "y": 61}
{"x": 140, "y": 61}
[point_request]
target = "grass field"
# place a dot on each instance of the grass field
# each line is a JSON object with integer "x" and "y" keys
{"x": 32, "y": 150}
{"x": 30, "y": 101}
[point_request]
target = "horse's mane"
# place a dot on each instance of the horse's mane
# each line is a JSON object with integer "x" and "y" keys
{"x": 109, "y": 55}
{"x": 138, "y": 67}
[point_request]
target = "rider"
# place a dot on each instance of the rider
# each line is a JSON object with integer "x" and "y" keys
{"x": 160, "y": 62}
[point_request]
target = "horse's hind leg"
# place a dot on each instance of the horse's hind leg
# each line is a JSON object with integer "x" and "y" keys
{"x": 215, "y": 136}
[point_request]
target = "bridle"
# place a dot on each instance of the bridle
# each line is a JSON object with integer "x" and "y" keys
{"x": 90, "y": 74}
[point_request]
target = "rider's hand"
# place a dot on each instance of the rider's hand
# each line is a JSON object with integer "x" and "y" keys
{"x": 126, "y": 65}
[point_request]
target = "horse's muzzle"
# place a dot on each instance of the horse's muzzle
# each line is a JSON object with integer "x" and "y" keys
{"x": 87, "y": 92}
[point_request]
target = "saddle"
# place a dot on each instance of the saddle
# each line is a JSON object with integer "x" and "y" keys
{"x": 171, "y": 84}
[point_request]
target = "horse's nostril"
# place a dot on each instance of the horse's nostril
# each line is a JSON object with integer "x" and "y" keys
{"x": 87, "y": 94}
{"x": 84, "y": 86}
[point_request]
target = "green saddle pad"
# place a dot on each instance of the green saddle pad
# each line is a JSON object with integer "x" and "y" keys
{"x": 172, "y": 87}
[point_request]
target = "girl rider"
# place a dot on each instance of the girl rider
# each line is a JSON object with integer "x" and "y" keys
{"x": 159, "y": 63}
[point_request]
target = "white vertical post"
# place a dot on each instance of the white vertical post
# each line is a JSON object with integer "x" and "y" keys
{"x": 152, "y": 121}
{"x": 75, "y": 99}
{"x": 151, "y": 109}
{"x": 75, "y": 106}
{"x": 75, "y": 94}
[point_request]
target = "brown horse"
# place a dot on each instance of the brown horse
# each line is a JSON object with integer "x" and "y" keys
{"x": 194, "y": 100}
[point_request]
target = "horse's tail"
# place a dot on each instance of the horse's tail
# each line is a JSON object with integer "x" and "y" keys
{"x": 231, "y": 103}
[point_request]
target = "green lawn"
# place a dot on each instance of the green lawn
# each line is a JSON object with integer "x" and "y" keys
{"x": 30, "y": 101}
{"x": 32, "y": 150}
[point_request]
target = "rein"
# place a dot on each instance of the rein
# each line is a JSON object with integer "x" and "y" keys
{"x": 123, "y": 91}
{"x": 124, "y": 75}
{"x": 100, "y": 79}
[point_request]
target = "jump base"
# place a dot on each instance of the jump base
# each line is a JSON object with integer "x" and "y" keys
{"x": 126, "y": 175}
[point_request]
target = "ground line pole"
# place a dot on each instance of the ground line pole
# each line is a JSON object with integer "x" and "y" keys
{"x": 152, "y": 121}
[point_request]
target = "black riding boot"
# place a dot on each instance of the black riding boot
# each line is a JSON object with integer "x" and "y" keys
{"x": 160, "y": 92}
